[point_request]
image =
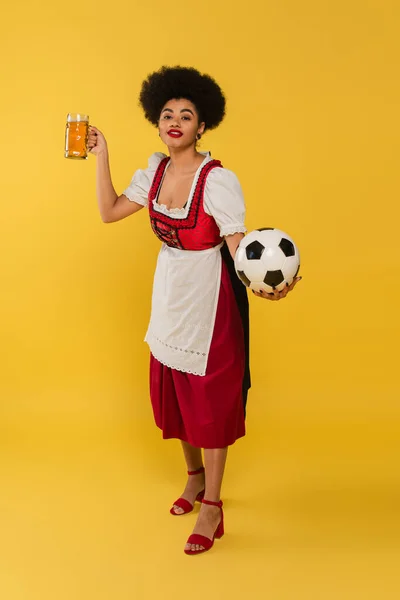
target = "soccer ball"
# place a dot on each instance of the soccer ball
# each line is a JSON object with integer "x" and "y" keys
{"x": 267, "y": 259}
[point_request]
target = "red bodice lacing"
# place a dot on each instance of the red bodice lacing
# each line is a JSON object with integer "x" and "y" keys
{"x": 198, "y": 231}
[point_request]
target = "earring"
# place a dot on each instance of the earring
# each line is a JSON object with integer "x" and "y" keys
{"x": 198, "y": 136}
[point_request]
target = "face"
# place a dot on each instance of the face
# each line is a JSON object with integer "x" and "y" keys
{"x": 179, "y": 123}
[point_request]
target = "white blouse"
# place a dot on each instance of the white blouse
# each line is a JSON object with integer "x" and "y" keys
{"x": 223, "y": 196}
{"x": 186, "y": 283}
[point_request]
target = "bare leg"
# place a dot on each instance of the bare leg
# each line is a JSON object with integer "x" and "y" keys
{"x": 209, "y": 516}
{"x": 193, "y": 456}
{"x": 215, "y": 461}
{"x": 195, "y": 483}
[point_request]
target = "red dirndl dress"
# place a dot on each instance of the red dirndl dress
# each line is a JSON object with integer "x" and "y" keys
{"x": 206, "y": 411}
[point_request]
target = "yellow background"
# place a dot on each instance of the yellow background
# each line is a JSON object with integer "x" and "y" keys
{"x": 312, "y": 133}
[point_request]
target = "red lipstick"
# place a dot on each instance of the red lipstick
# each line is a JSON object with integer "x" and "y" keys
{"x": 175, "y": 133}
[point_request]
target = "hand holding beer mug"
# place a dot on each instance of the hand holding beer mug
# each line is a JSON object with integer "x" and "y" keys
{"x": 81, "y": 138}
{"x": 96, "y": 141}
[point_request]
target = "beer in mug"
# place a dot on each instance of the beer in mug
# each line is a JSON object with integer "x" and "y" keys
{"x": 76, "y": 134}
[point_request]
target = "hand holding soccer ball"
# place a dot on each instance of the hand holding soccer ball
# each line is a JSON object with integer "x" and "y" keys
{"x": 267, "y": 261}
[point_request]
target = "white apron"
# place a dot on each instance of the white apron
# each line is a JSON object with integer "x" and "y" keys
{"x": 184, "y": 305}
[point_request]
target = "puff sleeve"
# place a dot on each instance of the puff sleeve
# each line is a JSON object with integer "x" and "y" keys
{"x": 139, "y": 187}
{"x": 223, "y": 200}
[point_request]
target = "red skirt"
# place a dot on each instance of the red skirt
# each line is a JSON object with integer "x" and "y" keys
{"x": 206, "y": 411}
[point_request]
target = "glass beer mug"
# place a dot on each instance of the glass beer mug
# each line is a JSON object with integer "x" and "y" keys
{"x": 76, "y": 135}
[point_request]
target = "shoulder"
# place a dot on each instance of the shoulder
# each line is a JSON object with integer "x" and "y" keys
{"x": 155, "y": 159}
{"x": 219, "y": 177}
{"x": 223, "y": 200}
{"x": 223, "y": 194}
{"x": 142, "y": 179}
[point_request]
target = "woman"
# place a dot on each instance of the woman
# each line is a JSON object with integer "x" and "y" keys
{"x": 198, "y": 331}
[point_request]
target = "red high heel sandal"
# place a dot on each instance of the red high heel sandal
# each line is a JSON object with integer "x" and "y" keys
{"x": 202, "y": 540}
{"x": 185, "y": 504}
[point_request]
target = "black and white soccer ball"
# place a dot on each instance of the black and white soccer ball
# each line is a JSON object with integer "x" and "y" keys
{"x": 267, "y": 259}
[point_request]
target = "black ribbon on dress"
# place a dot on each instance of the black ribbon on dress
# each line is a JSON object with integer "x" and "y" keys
{"x": 242, "y": 302}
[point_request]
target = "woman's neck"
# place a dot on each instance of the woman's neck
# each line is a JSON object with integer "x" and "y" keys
{"x": 184, "y": 160}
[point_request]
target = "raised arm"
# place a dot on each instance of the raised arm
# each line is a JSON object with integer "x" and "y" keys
{"x": 111, "y": 206}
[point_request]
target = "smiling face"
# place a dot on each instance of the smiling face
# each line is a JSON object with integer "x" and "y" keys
{"x": 179, "y": 123}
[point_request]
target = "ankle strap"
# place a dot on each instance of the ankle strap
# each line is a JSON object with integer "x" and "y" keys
{"x": 201, "y": 470}
{"x": 219, "y": 504}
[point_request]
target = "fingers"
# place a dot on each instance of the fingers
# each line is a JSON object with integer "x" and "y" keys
{"x": 295, "y": 280}
{"x": 266, "y": 295}
{"x": 92, "y": 137}
{"x": 96, "y": 142}
{"x": 275, "y": 295}
{"x": 92, "y": 131}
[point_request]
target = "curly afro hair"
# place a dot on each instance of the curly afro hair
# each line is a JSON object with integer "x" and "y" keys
{"x": 183, "y": 82}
